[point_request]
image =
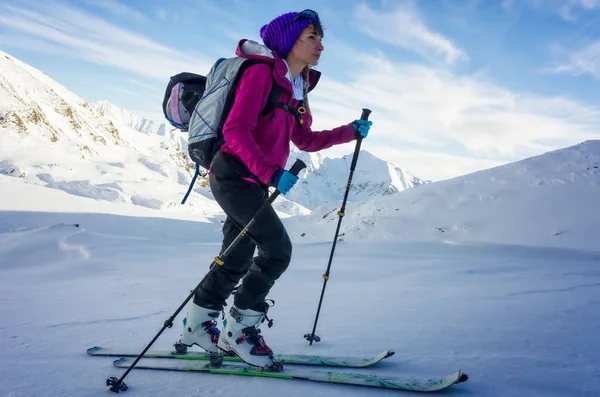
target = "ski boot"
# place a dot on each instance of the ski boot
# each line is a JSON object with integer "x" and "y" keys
{"x": 200, "y": 329}
{"x": 241, "y": 336}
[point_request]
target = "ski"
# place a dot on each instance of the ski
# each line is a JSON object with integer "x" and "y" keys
{"x": 332, "y": 361}
{"x": 413, "y": 384}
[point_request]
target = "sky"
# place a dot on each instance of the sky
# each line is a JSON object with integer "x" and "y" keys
{"x": 455, "y": 86}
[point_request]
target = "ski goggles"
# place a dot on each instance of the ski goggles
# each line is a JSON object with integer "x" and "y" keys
{"x": 306, "y": 14}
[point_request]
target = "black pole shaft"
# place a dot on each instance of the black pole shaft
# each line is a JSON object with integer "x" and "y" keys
{"x": 219, "y": 260}
{"x": 364, "y": 116}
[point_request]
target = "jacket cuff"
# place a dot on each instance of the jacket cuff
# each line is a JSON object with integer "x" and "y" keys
{"x": 274, "y": 180}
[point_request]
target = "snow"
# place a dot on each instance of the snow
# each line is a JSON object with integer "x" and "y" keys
{"x": 547, "y": 200}
{"x": 326, "y": 179}
{"x": 496, "y": 273}
{"x": 520, "y": 318}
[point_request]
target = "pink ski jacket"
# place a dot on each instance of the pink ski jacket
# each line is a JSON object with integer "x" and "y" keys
{"x": 263, "y": 145}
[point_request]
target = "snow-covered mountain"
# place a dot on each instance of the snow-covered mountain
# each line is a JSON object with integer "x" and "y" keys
{"x": 325, "y": 179}
{"x": 134, "y": 121}
{"x": 52, "y": 137}
{"x": 550, "y": 200}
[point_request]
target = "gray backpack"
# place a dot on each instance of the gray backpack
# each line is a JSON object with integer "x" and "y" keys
{"x": 200, "y": 105}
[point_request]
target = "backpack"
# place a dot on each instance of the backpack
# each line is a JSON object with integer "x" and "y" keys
{"x": 200, "y": 105}
{"x": 183, "y": 93}
{"x": 182, "y": 99}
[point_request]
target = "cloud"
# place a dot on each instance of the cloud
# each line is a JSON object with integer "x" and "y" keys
{"x": 35, "y": 45}
{"x": 432, "y": 111}
{"x": 122, "y": 90}
{"x": 404, "y": 28}
{"x": 118, "y": 9}
{"x": 568, "y": 10}
{"x": 585, "y": 60}
{"x": 151, "y": 87}
{"x": 422, "y": 163}
{"x": 433, "y": 165}
{"x": 578, "y": 53}
{"x": 92, "y": 39}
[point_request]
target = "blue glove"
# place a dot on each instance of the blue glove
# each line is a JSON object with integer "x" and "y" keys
{"x": 283, "y": 180}
{"x": 362, "y": 127}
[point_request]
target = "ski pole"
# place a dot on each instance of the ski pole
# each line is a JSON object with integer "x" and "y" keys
{"x": 312, "y": 337}
{"x": 116, "y": 385}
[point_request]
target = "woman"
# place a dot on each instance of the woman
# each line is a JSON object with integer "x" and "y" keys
{"x": 259, "y": 146}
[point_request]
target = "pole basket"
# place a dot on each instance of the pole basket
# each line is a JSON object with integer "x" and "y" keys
{"x": 312, "y": 338}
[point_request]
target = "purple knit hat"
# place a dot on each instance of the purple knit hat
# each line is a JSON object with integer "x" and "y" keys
{"x": 281, "y": 33}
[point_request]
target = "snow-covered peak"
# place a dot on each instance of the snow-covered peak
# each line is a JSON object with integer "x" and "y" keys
{"x": 52, "y": 137}
{"x": 25, "y": 81}
{"x": 326, "y": 179}
{"x": 130, "y": 119}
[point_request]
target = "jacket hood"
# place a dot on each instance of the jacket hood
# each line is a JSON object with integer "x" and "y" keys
{"x": 252, "y": 50}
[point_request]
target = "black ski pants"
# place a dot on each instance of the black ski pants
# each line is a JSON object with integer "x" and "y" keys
{"x": 240, "y": 200}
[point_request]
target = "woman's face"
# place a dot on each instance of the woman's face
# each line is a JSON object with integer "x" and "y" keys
{"x": 308, "y": 47}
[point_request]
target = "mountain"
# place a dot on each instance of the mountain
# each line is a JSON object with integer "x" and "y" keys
{"x": 547, "y": 200}
{"x": 136, "y": 122}
{"x": 52, "y": 137}
{"x": 326, "y": 179}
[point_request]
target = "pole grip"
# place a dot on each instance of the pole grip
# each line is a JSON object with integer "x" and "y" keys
{"x": 297, "y": 167}
{"x": 365, "y": 114}
{"x": 295, "y": 170}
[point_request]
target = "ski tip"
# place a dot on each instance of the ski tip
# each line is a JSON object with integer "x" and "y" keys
{"x": 462, "y": 377}
{"x": 390, "y": 353}
{"x": 93, "y": 350}
{"x": 119, "y": 361}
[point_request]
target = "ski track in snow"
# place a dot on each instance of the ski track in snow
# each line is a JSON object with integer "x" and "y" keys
{"x": 547, "y": 291}
{"x": 118, "y": 236}
{"x": 77, "y": 248}
{"x": 106, "y": 320}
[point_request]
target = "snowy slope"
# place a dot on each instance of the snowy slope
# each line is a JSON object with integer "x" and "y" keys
{"x": 521, "y": 321}
{"x": 549, "y": 200}
{"x": 52, "y": 137}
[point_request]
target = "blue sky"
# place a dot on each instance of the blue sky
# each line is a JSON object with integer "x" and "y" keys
{"x": 455, "y": 86}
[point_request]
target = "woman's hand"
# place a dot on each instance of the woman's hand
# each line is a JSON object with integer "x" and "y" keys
{"x": 362, "y": 127}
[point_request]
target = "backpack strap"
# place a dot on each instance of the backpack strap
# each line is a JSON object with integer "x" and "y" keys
{"x": 296, "y": 112}
{"x": 191, "y": 184}
{"x": 273, "y": 103}
{"x": 270, "y": 106}
{"x": 272, "y": 100}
